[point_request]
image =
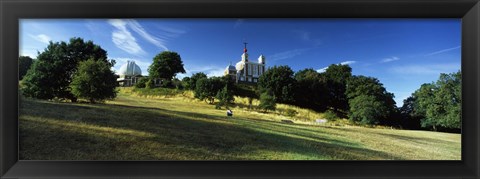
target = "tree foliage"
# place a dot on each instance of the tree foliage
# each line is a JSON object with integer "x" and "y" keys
{"x": 24, "y": 64}
{"x": 369, "y": 101}
{"x": 280, "y": 82}
{"x": 225, "y": 96}
{"x": 52, "y": 72}
{"x": 439, "y": 104}
{"x": 192, "y": 81}
{"x": 207, "y": 88}
{"x": 166, "y": 65}
{"x": 94, "y": 81}
{"x": 267, "y": 102}
{"x": 337, "y": 77}
{"x": 311, "y": 90}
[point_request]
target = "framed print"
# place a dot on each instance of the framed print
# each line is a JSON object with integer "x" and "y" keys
{"x": 225, "y": 89}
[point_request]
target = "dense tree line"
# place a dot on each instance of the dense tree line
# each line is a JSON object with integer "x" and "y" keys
{"x": 362, "y": 99}
{"x": 437, "y": 105}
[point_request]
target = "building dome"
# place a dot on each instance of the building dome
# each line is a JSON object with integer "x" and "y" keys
{"x": 129, "y": 69}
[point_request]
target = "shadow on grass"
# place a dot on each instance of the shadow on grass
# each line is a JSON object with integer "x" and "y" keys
{"x": 178, "y": 135}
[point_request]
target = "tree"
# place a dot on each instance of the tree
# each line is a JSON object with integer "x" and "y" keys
{"x": 280, "y": 82}
{"x": 337, "y": 77}
{"x": 94, "y": 81}
{"x": 369, "y": 101}
{"x": 52, "y": 72}
{"x": 192, "y": 83}
{"x": 267, "y": 102}
{"x": 311, "y": 90}
{"x": 166, "y": 65}
{"x": 225, "y": 97}
{"x": 439, "y": 104}
{"x": 207, "y": 88}
{"x": 24, "y": 64}
{"x": 367, "y": 109}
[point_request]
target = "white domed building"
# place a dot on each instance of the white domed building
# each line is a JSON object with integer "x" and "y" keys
{"x": 129, "y": 74}
{"x": 246, "y": 71}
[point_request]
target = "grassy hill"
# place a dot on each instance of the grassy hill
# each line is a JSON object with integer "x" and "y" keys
{"x": 176, "y": 127}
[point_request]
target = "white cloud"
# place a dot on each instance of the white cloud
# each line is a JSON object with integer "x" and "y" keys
{"x": 286, "y": 54}
{"x": 442, "y": 51}
{"x": 123, "y": 39}
{"x": 390, "y": 59}
{"x": 41, "y": 38}
{"x": 347, "y": 62}
{"x": 433, "y": 69}
{"x": 322, "y": 70}
{"x": 145, "y": 35}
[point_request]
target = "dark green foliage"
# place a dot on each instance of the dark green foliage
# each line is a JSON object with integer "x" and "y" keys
{"x": 177, "y": 83}
{"x": 409, "y": 118}
{"x": 225, "y": 97}
{"x": 186, "y": 83}
{"x": 439, "y": 104}
{"x": 244, "y": 90}
{"x": 280, "y": 82}
{"x": 94, "y": 81}
{"x": 267, "y": 102}
{"x": 369, "y": 101}
{"x": 166, "y": 65}
{"x": 291, "y": 112}
{"x": 52, "y": 72}
{"x": 311, "y": 90}
{"x": 24, "y": 64}
{"x": 150, "y": 84}
{"x": 337, "y": 77}
{"x": 330, "y": 115}
{"x": 142, "y": 83}
{"x": 367, "y": 109}
{"x": 207, "y": 88}
{"x": 192, "y": 81}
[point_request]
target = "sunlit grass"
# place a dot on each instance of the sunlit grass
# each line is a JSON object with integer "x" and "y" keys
{"x": 178, "y": 127}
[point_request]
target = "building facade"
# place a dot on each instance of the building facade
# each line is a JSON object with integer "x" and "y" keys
{"x": 246, "y": 71}
{"x": 130, "y": 74}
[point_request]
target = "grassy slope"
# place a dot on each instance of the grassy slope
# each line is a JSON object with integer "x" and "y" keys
{"x": 138, "y": 128}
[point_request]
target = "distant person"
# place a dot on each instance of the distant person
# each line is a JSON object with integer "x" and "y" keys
{"x": 229, "y": 113}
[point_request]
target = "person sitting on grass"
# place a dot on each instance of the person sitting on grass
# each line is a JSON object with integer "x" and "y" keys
{"x": 229, "y": 112}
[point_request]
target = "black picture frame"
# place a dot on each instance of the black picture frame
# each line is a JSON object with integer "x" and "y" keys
{"x": 13, "y": 10}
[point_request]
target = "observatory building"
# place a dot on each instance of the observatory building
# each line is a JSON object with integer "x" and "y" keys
{"x": 246, "y": 71}
{"x": 130, "y": 73}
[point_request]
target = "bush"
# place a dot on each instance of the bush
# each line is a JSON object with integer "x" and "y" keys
{"x": 291, "y": 112}
{"x": 330, "y": 115}
{"x": 150, "y": 84}
{"x": 267, "y": 102}
{"x": 142, "y": 83}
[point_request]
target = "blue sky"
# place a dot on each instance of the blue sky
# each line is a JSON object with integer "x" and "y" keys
{"x": 401, "y": 53}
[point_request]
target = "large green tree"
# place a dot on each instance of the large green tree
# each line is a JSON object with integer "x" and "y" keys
{"x": 311, "y": 90}
{"x": 207, "y": 88}
{"x": 439, "y": 104}
{"x": 337, "y": 76}
{"x": 52, "y": 72}
{"x": 267, "y": 102}
{"x": 166, "y": 65}
{"x": 369, "y": 101}
{"x": 94, "y": 81}
{"x": 192, "y": 81}
{"x": 24, "y": 64}
{"x": 279, "y": 81}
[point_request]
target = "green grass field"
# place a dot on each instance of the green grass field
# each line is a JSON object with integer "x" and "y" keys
{"x": 134, "y": 127}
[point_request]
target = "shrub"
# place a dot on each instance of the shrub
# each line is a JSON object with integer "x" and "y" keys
{"x": 291, "y": 112}
{"x": 142, "y": 83}
{"x": 330, "y": 115}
